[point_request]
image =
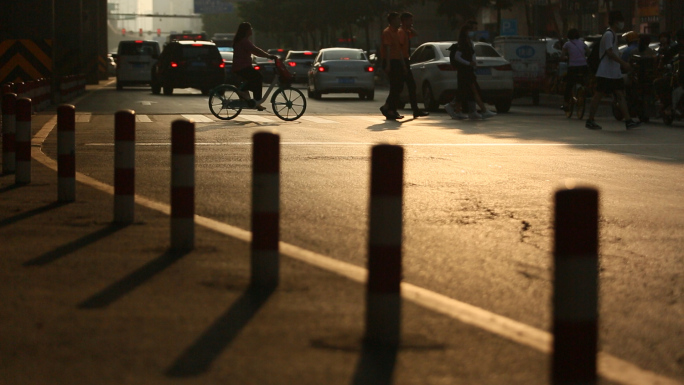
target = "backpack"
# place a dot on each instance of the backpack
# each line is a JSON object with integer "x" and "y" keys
{"x": 452, "y": 55}
{"x": 594, "y": 60}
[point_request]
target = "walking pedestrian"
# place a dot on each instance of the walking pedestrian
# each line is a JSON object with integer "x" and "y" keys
{"x": 406, "y": 32}
{"x": 394, "y": 65}
{"x": 468, "y": 88}
{"x": 575, "y": 52}
{"x": 609, "y": 75}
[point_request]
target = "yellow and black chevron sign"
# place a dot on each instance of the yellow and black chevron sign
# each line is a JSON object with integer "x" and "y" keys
{"x": 23, "y": 60}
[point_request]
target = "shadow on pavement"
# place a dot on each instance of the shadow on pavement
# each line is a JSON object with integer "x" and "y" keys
{"x": 197, "y": 358}
{"x": 73, "y": 246}
{"x": 376, "y": 364}
{"x": 30, "y": 213}
{"x": 132, "y": 281}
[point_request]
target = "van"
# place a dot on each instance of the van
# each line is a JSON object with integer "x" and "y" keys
{"x": 527, "y": 56}
{"x": 135, "y": 59}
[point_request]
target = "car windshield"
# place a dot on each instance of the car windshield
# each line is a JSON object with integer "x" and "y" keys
{"x": 192, "y": 51}
{"x": 137, "y": 49}
{"x": 301, "y": 55}
{"x": 486, "y": 51}
{"x": 344, "y": 55}
{"x": 481, "y": 50}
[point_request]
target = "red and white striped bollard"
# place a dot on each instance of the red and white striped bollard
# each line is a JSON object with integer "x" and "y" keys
{"x": 182, "y": 185}
{"x": 124, "y": 166}
{"x": 66, "y": 153}
{"x": 383, "y": 297}
{"x": 265, "y": 210}
{"x": 9, "y": 122}
{"x": 575, "y": 287}
{"x": 22, "y": 142}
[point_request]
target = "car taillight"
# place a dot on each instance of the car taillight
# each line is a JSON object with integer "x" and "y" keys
{"x": 292, "y": 64}
{"x": 323, "y": 69}
{"x": 222, "y": 65}
{"x": 174, "y": 64}
{"x": 257, "y": 68}
{"x": 505, "y": 67}
{"x": 369, "y": 69}
{"x": 446, "y": 67}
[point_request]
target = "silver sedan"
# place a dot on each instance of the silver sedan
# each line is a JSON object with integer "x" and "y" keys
{"x": 341, "y": 70}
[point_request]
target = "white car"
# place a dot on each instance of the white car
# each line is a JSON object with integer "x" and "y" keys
{"x": 341, "y": 70}
{"x": 134, "y": 62}
{"x": 436, "y": 82}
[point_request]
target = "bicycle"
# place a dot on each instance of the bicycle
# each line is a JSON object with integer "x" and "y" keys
{"x": 226, "y": 101}
{"x": 578, "y": 98}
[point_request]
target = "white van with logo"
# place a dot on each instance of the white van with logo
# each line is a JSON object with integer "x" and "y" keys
{"x": 134, "y": 62}
{"x": 527, "y": 56}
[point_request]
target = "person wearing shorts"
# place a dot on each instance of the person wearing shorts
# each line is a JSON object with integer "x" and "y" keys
{"x": 609, "y": 75}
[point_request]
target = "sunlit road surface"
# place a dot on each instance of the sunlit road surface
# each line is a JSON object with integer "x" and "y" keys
{"x": 477, "y": 201}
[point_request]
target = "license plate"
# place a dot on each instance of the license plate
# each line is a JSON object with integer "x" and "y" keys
{"x": 138, "y": 65}
{"x": 345, "y": 80}
{"x": 483, "y": 71}
{"x": 199, "y": 64}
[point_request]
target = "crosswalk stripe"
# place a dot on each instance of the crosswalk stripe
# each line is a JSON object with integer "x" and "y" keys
{"x": 143, "y": 119}
{"x": 315, "y": 119}
{"x": 369, "y": 118}
{"x": 198, "y": 118}
{"x": 255, "y": 118}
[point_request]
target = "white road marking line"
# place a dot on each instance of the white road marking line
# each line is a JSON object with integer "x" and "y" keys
{"x": 610, "y": 367}
{"x": 316, "y": 119}
{"x": 83, "y": 117}
{"x": 143, "y": 119}
{"x": 198, "y": 118}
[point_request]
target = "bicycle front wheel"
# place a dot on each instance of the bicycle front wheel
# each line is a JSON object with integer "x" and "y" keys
{"x": 581, "y": 103}
{"x": 224, "y": 102}
{"x": 288, "y": 103}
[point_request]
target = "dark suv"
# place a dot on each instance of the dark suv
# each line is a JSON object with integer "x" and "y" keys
{"x": 188, "y": 63}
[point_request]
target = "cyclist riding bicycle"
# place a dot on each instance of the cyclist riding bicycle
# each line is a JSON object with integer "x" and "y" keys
{"x": 243, "y": 49}
{"x": 575, "y": 52}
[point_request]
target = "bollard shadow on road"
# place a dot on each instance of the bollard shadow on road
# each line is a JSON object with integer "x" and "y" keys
{"x": 132, "y": 281}
{"x": 198, "y": 357}
{"x": 376, "y": 364}
{"x": 73, "y": 246}
{"x": 30, "y": 213}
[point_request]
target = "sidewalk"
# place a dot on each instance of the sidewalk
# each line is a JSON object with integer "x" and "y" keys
{"x": 87, "y": 302}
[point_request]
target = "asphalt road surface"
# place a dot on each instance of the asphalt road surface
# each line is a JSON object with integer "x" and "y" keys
{"x": 478, "y": 199}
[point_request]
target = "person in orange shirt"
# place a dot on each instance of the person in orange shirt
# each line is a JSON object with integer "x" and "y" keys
{"x": 406, "y": 32}
{"x": 394, "y": 65}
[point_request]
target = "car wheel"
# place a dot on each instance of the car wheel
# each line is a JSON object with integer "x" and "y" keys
{"x": 503, "y": 105}
{"x": 119, "y": 86}
{"x": 168, "y": 90}
{"x": 370, "y": 94}
{"x": 362, "y": 95}
{"x": 156, "y": 88}
{"x": 535, "y": 98}
{"x": 428, "y": 98}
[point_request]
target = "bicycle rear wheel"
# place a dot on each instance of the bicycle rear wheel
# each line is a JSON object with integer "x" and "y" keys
{"x": 569, "y": 106}
{"x": 224, "y": 102}
{"x": 288, "y": 103}
{"x": 581, "y": 103}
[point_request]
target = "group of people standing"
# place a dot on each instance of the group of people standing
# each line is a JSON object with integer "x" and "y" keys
{"x": 396, "y": 39}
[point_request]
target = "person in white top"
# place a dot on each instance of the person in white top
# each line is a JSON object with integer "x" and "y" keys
{"x": 609, "y": 75}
